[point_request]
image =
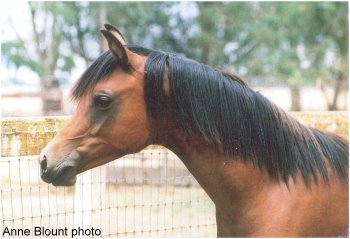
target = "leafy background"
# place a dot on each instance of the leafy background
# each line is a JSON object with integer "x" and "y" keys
{"x": 291, "y": 44}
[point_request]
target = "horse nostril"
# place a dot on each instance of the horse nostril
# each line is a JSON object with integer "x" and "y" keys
{"x": 43, "y": 163}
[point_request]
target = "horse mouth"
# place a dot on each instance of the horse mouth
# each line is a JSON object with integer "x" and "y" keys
{"x": 65, "y": 176}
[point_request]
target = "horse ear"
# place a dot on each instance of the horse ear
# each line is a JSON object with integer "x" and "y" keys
{"x": 116, "y": 44}
{"x": 117, "y": 33}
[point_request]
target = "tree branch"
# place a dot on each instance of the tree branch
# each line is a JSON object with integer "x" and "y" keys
{"x": 80, "y": 36}
{"x": 40, "y": 53}
{"x": 54, "y": 45}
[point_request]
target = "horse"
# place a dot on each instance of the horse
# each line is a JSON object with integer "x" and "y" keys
{"x": 267, "y": 174}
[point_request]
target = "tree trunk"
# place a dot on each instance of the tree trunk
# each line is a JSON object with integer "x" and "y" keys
{"x": 340, "y": 84}
{"x": 51, "y": 95}
{"x": 295, "y": 97}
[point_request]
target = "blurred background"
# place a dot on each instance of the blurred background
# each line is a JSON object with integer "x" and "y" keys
{"x": 296, "y": 54}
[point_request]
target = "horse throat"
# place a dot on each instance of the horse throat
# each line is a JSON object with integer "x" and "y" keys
{"x": 235, "y": 187}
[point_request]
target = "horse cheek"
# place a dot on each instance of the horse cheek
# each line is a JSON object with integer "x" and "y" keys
{"x": 131, "y": 136}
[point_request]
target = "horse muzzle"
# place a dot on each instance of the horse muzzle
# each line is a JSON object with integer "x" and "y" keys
{"x": 62, "y": 173}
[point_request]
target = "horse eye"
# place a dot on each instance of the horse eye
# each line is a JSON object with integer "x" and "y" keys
{"x": 102, "y": 101}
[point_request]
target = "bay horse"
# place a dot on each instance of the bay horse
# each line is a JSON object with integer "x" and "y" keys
{"x": 267, "y": 174}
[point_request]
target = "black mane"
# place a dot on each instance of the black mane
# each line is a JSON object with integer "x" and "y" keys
{"x": 99, "y": 70}
{"x": 227, "y": 113}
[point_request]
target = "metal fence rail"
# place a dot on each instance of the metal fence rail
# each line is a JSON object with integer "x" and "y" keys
{"x": 148, "y": 194}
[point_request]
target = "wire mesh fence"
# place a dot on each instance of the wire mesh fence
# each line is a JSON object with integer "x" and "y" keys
{"x": 148, "y": 194}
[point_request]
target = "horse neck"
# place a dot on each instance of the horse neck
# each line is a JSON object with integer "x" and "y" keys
{"x": 220, "y": 175}
{"x": 231, "y": 184}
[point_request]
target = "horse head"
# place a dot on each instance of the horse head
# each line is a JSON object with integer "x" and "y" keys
{"x": 110, "y": 120}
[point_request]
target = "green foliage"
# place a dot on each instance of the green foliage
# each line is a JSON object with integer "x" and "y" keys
{"x": 288, "y": 42}
{"x": 297, "y": 38}
{"x": 16, "y": 55}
